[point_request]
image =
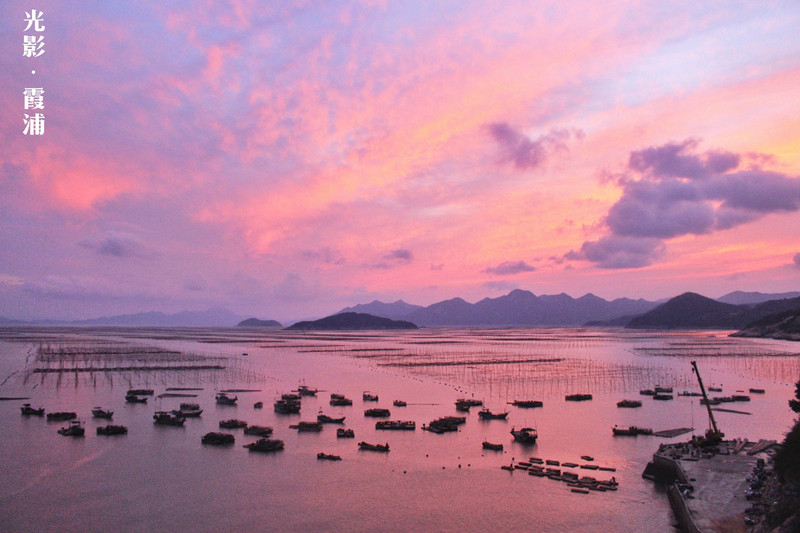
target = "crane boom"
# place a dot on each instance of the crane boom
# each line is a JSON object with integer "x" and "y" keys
{"x": 714, "y": 432}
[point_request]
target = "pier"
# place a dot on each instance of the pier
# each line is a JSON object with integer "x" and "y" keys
{"x": 707, "y": 486}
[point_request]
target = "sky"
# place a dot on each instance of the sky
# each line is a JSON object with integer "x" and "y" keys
{"x": 287, "y": 159}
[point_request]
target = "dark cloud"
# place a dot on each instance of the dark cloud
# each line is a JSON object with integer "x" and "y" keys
{"x": 437, "y": 267}
{"x": 619, "y": 252}
{"x": 669, "y": 191}
{"x": 525, "y": 153}
{"x": 119, "y": 245}
{"x": 509, "y": 267}
{"x": 325, "y": 255}
{"x": 399, "y": 255}
{"x": 796, "y": 259}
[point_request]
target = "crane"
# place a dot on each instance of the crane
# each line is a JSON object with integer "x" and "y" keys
{"x": 713, "y": 434}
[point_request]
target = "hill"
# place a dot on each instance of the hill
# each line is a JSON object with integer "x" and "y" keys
{"x": 785, "y": 325}
{"x": 744, "y": 298}
{"x": 395, "y": 310}
{"x": 256, "y": 323}
{"x": 217, "y": 317}
{"x": 693, "y": 311}
{"x": 352, "y": 321}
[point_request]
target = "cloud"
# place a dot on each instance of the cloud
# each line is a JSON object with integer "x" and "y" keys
{"x": 525, "y": 153}
{"x": 195, "y": 284}
{"x": 326, "y": 255}
{"x": 671, "y": 190}
{"x": 796, "y": 260}
{"x": 503, "y": 286}
{"x": 119, "y": 245}
{"x": 509, "y": 267}
{"x": 400, "y": 255}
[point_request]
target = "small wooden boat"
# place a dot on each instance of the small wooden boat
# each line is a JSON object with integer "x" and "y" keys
{"x": 587, "y": 457}
{"x": 373, "y": 447}
{"x": 99, "y": 412}
{"x": 259, "y": 431}
{"x": 660, "y": 390}
{"x": 290, "y": 396}
{"x": 217, "y": 439}
{"x": 715, "y": 389}
{"x": 486, "y": 414}
{"x": 578, "y": 397}
{"x": 166, "y": 418}
{"x": 265, "y": 445}
{"x": 470, "y": 402}
{"x": 27, "y": 410}
{"x": 527, "y": 403}
{"x": 399, "y": 403}
{"x": 74, "y": 429}
{"x": 186, "y": 412}
{"x": 662, "y": 397}
{"x": 61, "y": 415}
{"x": 368, "y": 397}
{"x": 629, "y": 403}
{"x": 396, "y": 425}
{"x": 325, "y": 419}
{"x": 756, "y": 391}
{"x": 305, "y": 390}
{"x": 133, "y": 398}
{"x": 525, "y": 435}
{"x": 342, "y": 433}
{"x": 141, "y": 392}
{"x": 287, "y": 406}
{"x": 328, "y": 457}
{"x": 112, "y": 430}
{"x": 377, "y": 412}
{"x": 510, "y": 468}
{"x": 631, "y": 431}
{"x": 647, "y": 392}
{"x": 689, "y": 393}
{"x": 258, "y": 405}
{"x": 463, "y": 407}
{"x": 307, "y": 426}
{"x": 340, "y": 401}
{"x": 491, "y": 446}
{"x": 233, "y": 423}
{"x": 223, "y": 399}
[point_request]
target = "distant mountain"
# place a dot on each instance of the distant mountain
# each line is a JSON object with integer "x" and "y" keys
{"x": 352, "y": 321}
{"x": 216, "y": 317}
{"x": 10, "y": 322}
{"x": 693, "y": 311}
{"x": 523, "y": 308}
{"x": 785, "y": 325}
{"x": 395, "y": 310}
{"x": 743, "y": 298}
{"x": 256, "y": 323}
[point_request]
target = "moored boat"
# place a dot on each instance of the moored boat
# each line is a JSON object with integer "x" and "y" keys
{"x": 74, "y": 429}
{"x": 233, "y": 423}
{"x": 188, "y": 410}
{"x": 307, "y": 426}
{"x": 166, "y": 418}
{"x": 141, "y": 392}
{"x": 328, "y": 457}
{"x": 287, "y": 406}
{"x": 290, "y": 396}
{"x": 527, "y": 403}
{"x": 369, "y": 397}
{"x": 325, "y": 419}
{"x": 217, "y": 439}
{"x": 373, "y": 447}
{"x": 27, "y": 410}
{"x": 260, "y": 431}
{"x": 133, "y": 398}
{"x": 662, "y": 397}
{"x": 396, "y": 424}
{"x": 99, "y": 412}
{"x": 647, "y": 392}
{"x": 305, "y": 390}
{"x": 339, "y": 400}
{"x": 342, "y": 433}
{"x": 629, "y": 403}
{"x": 577, "y": 397}
{"x": 112, "y": 430}
{"x": 265, "y": 445}
{"x": 61, "y": 415}
{"x": 631, "y": 431}
{"x": 399, "y": 403}
{"x": 377, "y": 412}
{"x": 491, "y": 446}
{"x": 525, "y": 435}
{"x": 445, "y": 424}
{"x": 486, "y": 414}
{"x": 223, "y": 399}
{"x": 667, "y": 390}
{"x": 258, "y": 405}
{"x": 756, "y": 391}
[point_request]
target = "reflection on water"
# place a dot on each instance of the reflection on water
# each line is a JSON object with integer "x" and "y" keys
{"x": 158, "y": 478}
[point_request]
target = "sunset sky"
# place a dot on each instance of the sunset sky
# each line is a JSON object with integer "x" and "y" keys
{"x": 287, "y": 159}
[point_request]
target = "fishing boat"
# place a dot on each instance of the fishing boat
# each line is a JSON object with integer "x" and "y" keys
{"x": 99, "y": 412}
{"x": 339, "y": 400}
{"x": 233, "y": 423}
{"x": 307, "y": 426}
{"x": 223, "y": 399}
{"x": 368, "y": 397}
{"x": 259, "y": 431}
{"x": 463, "y": 406}
{"x": 290, "y": 396}
{"x": 112, "y": 430}
{"x": 287, "y": 406}
{"x": 445, "y": 424}
{"x": 486, "y": 414}
{"x": 377, "y": 412}
{"x": 399, "y": 403}
{"x": 325, "y": 419}
{"x": 328, "y": 457}
{"x": 577, "y": 397}
{"x": 689, "y": 393}
{"x": 667, "y": 390}
{"x": 491, "y": 446}
{"x": 166, "y": 418}
{"x": 305, "y": 390}
{"x": 647, "y": 392}
{"x": 265, "y": 445}
{"x": 133, "y": 398}
{"x": 27, "y": 410}
{"x": 629, "y": 403}
{"x": 631, "y": 431}
{"x": 141, "y": 392}
{"x": 74, "y": 429}
{"x": 396, "y": 425}
{"x": 61, "y": 415}
{"x": 525, "y": 435}
{"x": 373, "y": 447}
{"x": 587, "y": 457}
{"x": 217, "y": 439}
{"x": 662, "y": 397}
{"x": 258, "y": 405}
{"x": 470, "y": 401}
{"x": 188, "y": 410}
{"x": 756, "y": 391}
{"x": 342, "y": 433}
{"x": 527, "y": 403}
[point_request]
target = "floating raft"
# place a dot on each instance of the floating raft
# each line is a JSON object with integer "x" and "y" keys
{"x": 731, "y": 411}
{"x": 183, "y": 388}
{"x": 241, "y": 390}
{"x": 669, "y": 433}
{"x": 176, "y": 395}
{"x": 8, "y": 398}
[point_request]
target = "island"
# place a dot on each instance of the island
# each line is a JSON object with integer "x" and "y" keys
{"x": 352, "y": 321}
{"x": 256, "y": 323}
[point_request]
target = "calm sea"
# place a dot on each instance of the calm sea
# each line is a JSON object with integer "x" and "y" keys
{"x": 163, "y": 479}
